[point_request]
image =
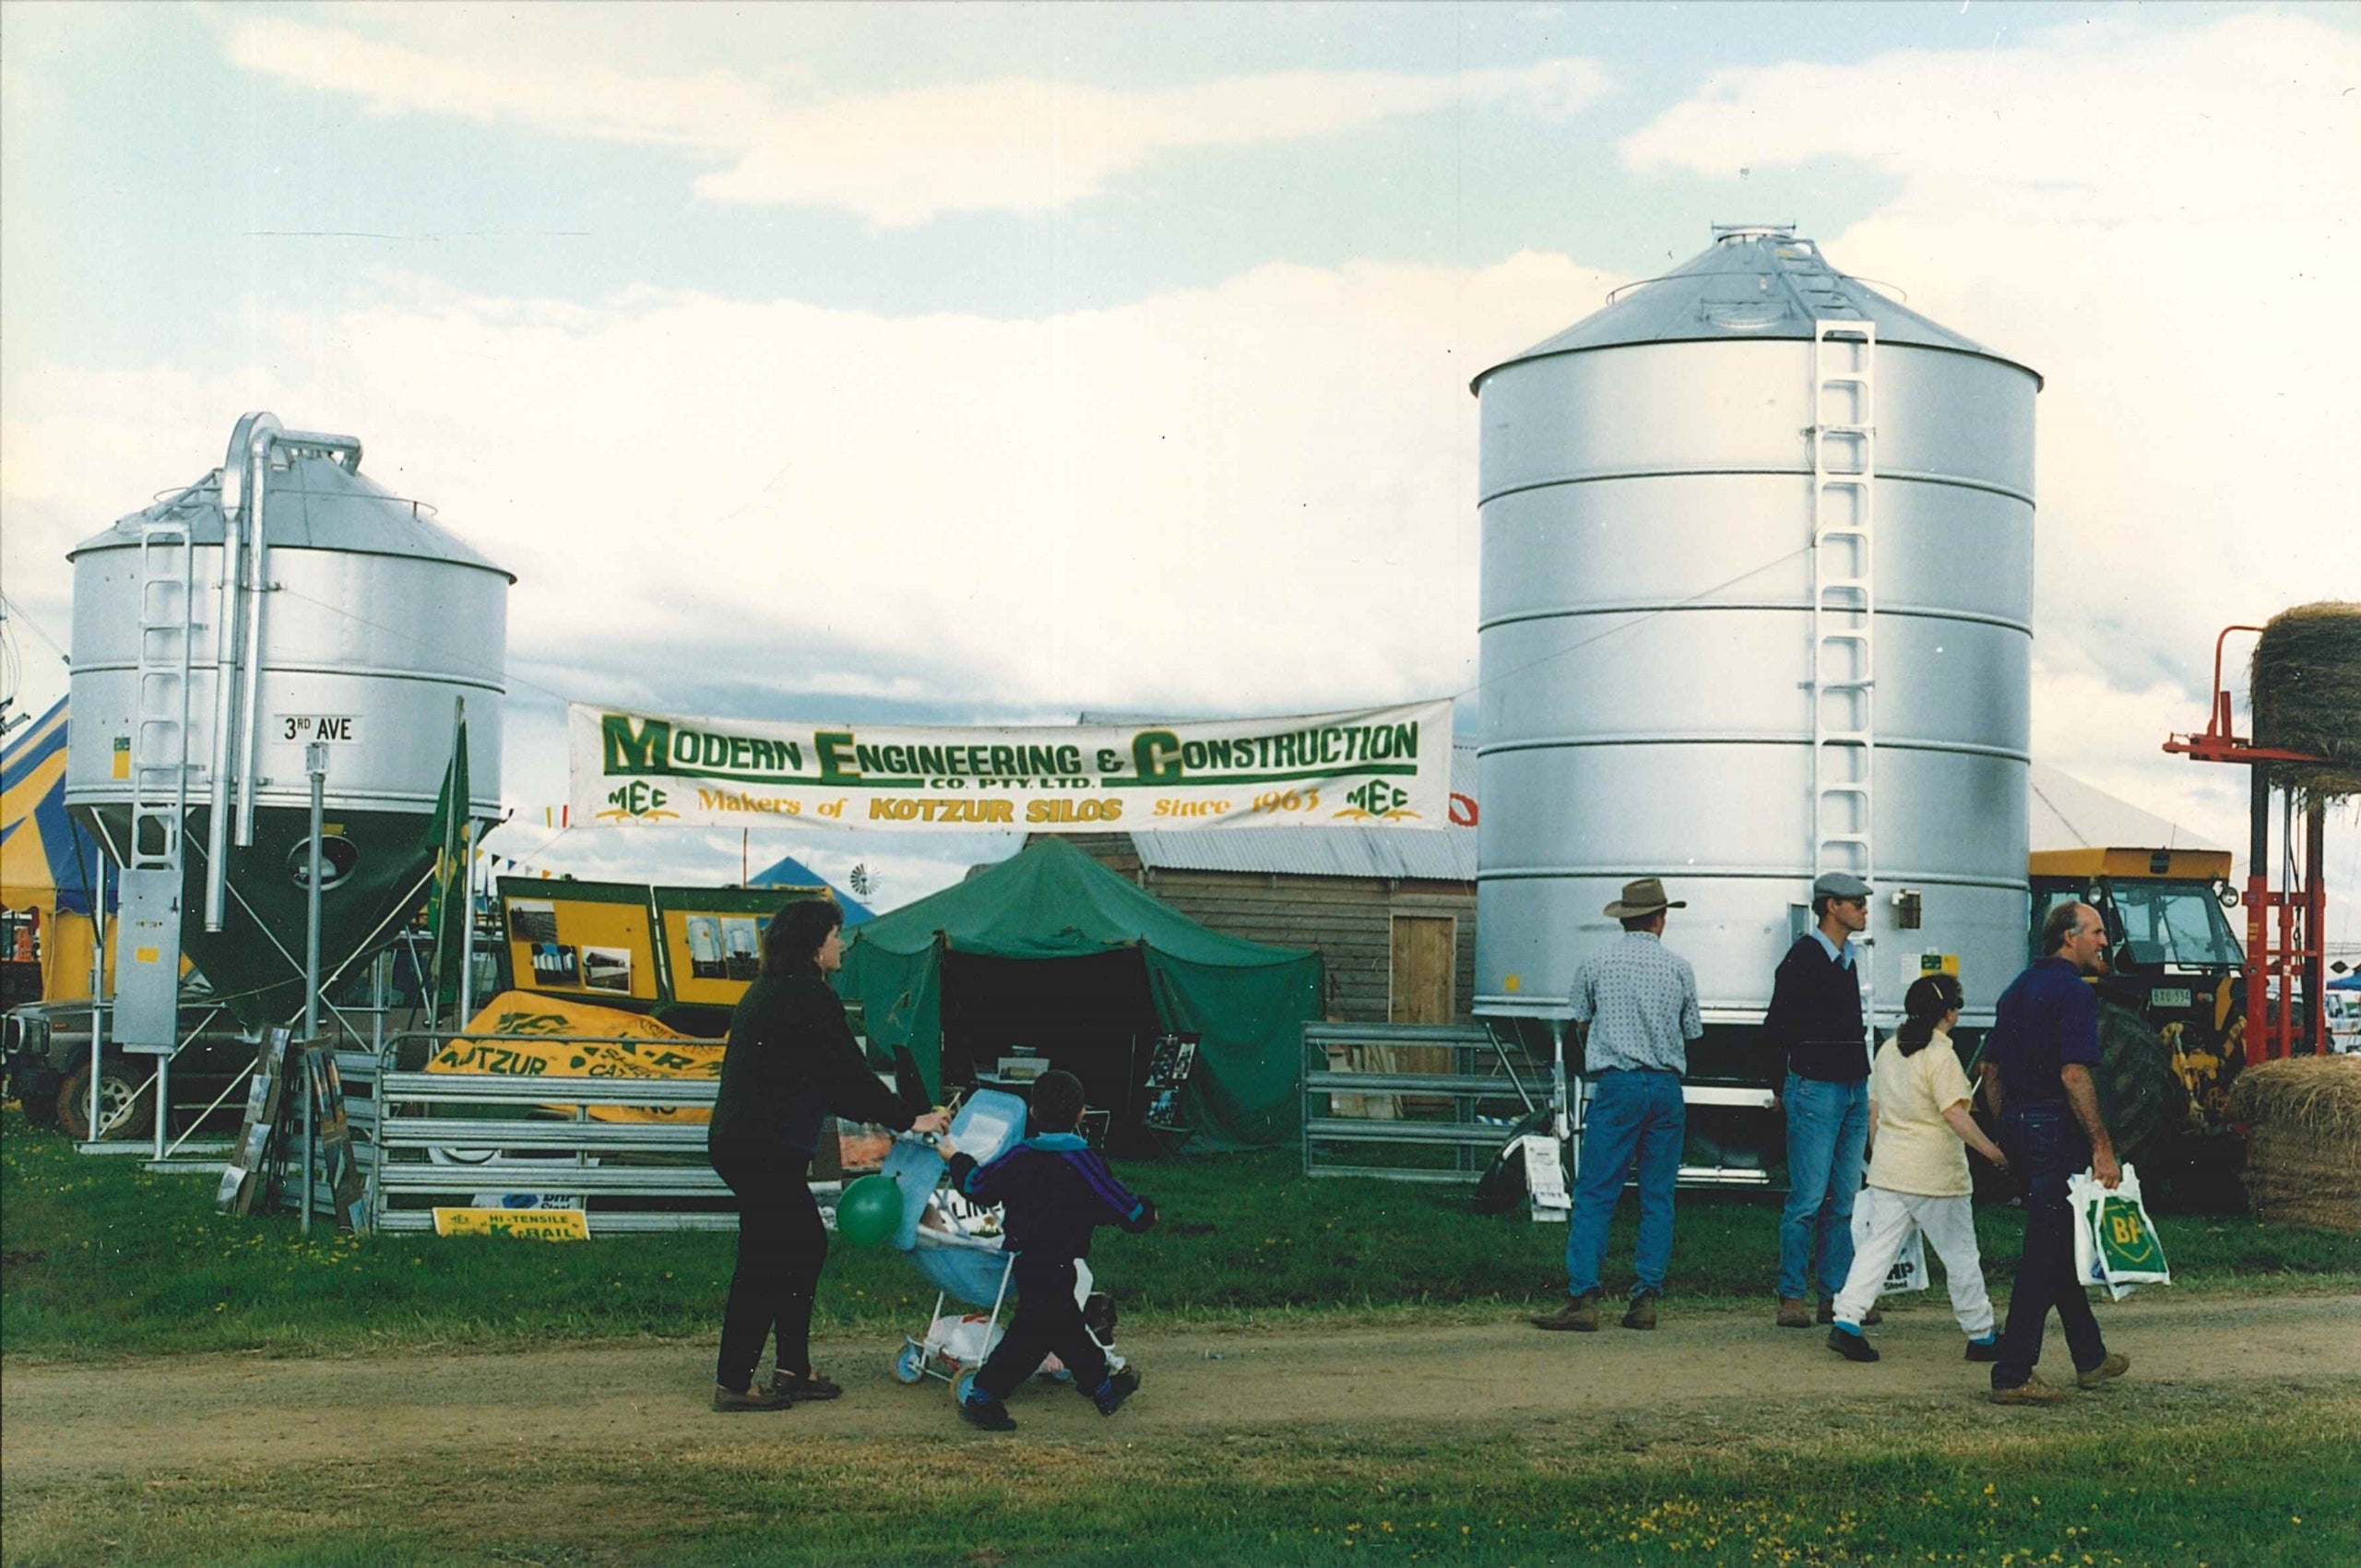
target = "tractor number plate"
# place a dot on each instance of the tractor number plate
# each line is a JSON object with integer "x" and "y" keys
{"x": 2169, "y": 996}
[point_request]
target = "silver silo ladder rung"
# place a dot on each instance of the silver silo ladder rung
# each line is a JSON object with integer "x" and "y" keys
{"x": 159, "y": 728}
{"x": 1844, "y": 602}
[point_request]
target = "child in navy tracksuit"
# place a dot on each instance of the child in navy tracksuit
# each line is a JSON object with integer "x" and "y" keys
{"x": 1054, "y": 1191}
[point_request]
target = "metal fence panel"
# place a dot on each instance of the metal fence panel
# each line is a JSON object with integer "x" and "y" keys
{"x": 449, "y": 1135}
{"x": 1413, "y": 1103}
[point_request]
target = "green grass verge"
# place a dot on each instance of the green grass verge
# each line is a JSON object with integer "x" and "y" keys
{"x": 102, "y": 1259}
{"x": 2197, "y": 1479}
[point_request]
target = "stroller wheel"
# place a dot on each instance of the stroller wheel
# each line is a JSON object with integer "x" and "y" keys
{"x": 960, "y": 1383}
{"x": 910, "y": 1365}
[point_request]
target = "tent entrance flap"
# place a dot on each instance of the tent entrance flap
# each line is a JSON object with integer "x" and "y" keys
{"x": 1051, "y": 931}
{"x": 1090, "y": 1014}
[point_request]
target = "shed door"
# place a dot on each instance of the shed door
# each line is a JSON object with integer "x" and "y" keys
{"x": 1424, "y": 951}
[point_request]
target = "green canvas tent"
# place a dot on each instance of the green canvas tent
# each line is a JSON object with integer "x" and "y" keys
{"x": 1050, "y": 950}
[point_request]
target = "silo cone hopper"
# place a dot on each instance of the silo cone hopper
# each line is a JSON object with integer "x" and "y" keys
{"x": 346, "y": 616}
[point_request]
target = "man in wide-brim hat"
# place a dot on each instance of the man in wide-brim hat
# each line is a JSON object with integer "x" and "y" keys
{"x": 1634, "y": 1005}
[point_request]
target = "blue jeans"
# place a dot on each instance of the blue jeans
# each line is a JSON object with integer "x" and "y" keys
{"x": 2046, "y": 1145}
{"x": 1828, "y": 1131}
{"x": 1632, "y": 1113}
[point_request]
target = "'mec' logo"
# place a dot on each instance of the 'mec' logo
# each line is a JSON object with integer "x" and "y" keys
{"x": 1378, "y": 800}
{"x": 636, "y": 801}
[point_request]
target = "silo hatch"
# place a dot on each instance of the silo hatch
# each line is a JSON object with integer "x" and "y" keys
{"x": 339, "y": 858}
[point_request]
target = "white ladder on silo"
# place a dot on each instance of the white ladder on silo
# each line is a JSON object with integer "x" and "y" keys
{"x": 159, "y": 728}
{"x": 1843, "y": 605}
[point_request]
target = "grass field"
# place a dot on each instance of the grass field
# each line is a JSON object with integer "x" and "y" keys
{"x": 102, "y": 1259}
{"x": 2156, "y": 1477}
{"x": 105, "y": 1265}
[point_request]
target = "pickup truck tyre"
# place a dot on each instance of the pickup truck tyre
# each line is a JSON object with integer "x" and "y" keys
{"x": 35, "y": 1091}
{"x": 124, "y": 1111}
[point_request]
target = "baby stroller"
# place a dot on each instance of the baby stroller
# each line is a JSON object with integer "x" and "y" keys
{"x": 955, "y": 1247}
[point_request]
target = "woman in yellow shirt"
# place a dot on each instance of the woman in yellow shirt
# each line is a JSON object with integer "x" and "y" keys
{"x": 1920, "y": 1132}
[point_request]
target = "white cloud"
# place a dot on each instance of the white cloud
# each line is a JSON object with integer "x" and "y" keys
{"x": 1257, "y": 497}
{"x": 1018, "y": 145}
{"x": 1252, "y": 497}
{"x": 2161, "y": 223}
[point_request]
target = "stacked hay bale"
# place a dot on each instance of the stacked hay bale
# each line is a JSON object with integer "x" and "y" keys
{"x": 2305, "y": 681}
{"x": 2304, "y": 1145}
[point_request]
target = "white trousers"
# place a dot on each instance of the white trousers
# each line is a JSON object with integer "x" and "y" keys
{"x": 1949, "y": 1225}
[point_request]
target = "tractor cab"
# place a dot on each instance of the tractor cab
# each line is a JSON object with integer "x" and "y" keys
{"x": 2172, "y": 1001}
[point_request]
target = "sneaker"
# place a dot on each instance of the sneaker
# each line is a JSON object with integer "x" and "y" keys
{"x": 1579, "y": 1315}
{"x": 1827, "y": 1314}
{"x": 1851, "y": 1345}
{"x": 1643, "y": 1311}
{"x": 1983, "y": 1349}
{"x": 1109, "y": 1395}
{"x": 1794, "y": 1312}
{"x": 2115, "y": 1365}
{"x": 755, "y": 1398}
{"x": 802, "y": 1389}
{"x": 2033, "y": 1390}
{"x": 980, "y": 1410}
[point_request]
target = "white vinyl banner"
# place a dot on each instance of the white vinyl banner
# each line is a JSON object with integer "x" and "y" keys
{"x": 1382, "y": 767}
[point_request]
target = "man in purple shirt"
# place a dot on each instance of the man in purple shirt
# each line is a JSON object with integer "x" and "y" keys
{"x": 2044, "y": 1045}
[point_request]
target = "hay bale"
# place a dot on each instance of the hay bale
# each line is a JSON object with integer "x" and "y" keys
{"x": 2303, "y": 1146}
{"x": 2305, "y": 682}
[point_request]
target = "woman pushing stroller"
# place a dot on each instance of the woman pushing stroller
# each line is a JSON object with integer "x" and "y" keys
{"x": 791, "y": 1060}
{"x": 1920, "y": 1131}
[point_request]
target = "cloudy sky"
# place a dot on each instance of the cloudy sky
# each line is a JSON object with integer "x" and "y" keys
{"x": 985, "y": 362}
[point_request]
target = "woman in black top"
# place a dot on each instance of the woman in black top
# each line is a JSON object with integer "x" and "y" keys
{"x": 791, "y": 1060}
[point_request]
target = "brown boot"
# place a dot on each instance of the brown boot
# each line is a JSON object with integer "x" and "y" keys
{"x": 1794, "y": 1312}
{"x": 1827, "y": 1314}
{"x": 1580, "y": 1315}
{"x": 1642, "y": 1313}
{"x": 802, "y": 1388}
{"x": 758, "y": 1398}
{"x": 2033, "y": 1390}
{"x": 2115, "y": 1365}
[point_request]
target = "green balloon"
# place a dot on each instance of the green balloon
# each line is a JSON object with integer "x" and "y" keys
{"x": 869, "y": 1211}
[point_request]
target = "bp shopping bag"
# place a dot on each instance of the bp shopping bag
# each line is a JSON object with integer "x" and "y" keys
{"x": 2130, "y": 1252}
{"x": 2115, "y": 1241}
{"x": 1909, "y": 1270}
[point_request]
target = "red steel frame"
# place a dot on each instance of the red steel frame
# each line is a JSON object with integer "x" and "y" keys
{"x": 2294, "y": 944}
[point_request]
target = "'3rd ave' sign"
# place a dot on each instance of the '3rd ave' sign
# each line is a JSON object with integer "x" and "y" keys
{"x": 1378, "y": 768}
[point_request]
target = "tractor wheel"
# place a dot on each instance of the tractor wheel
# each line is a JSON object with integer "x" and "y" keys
{"x": 2140, "y": 1097}
{"x": 124, "y": 1111}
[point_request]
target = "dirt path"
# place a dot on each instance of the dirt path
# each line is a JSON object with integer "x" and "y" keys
{"x": 177, "y": 1416}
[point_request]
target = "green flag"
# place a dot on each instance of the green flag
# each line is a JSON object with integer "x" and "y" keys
{"x": 447, "y": 900}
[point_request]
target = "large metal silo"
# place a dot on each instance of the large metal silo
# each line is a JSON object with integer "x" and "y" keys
{"x": 1757, "y": 601}
{"x": 351, "y": 618}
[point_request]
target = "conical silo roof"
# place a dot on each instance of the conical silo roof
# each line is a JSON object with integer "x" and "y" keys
{"x": 313, "y": 503}
{"x": 1751, "y": 283}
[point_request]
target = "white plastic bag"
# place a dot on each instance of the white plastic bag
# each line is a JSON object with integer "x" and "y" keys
{"x": 1908, "y": 1271}
{"x": 2083, "y": 1195}
{"x": 2115, "y": 1241}
{"x": 2130, "y": 1252}
{"x": 964, "y": 1340}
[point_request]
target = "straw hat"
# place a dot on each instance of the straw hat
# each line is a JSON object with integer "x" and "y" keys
{"x": 1643, "y": 896}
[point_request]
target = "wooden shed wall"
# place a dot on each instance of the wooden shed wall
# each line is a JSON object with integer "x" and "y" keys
{"x": 1348, "y": 920}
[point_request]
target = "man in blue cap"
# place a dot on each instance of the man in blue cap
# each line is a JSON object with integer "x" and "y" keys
{"x": 1819, "y": 1067}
